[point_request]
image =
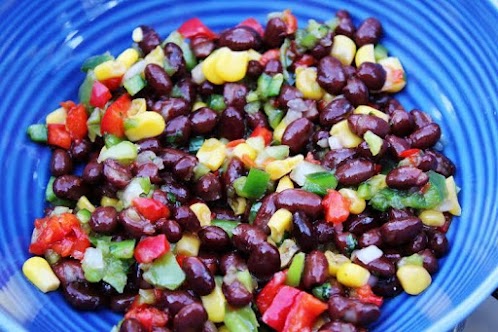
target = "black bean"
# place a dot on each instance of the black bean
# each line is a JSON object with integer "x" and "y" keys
{"x": 443, "y": 165}
{"x": 178, "y": 130}
{"x": 334, "y": 158}
{"x": 184, "y": 169}
{"x": 425, "y": 137}
{"x": 363, "y": 150}
{"x": 345, "y": 242}
{"x": 356, "y": 91}
{"x": 231, "y": 125}
{"x": 257, "y": 119}
{"x": 240, "y": 38}
{"x": 203, "y": 121}
{"x": 232, "y": 261}
{"x": 381, "y": 267}
{"x": 315, "y": 270}
{"x": 174, "y": 60}
{"x": 425, "y": 162}
{"x": 171, "y": 108}
{"x": 81, "y": 296}
{"x": 121, "y": 302}
{"x": 149, "y": 144}
{"x": 211, "y": 260}
{"x": 300, "y": 200}
{"x": 187, "y": 219}
{"x": 369, "y": 32}
{"x": 149, "y": 170}
{"x": 116, "y": 174}
{"x": 355, "y": 172}
{"x": 361, "y": 123}
{"x": 338, "y": 326}
{"x": 236, "y": 294}
{"x": 401, "y": 122}
{"x": 352, "y": 311}
{"x": 331, "y": 75}
{"x": 405, "y": 177}
{"x": 335, "y": 111}
{"x": 214, "y": 238}
{"x": 360, "y": 223}
{"x": 264, "y": 260}
{"x": 273, "y": 67}
{"x": 208, "y": 187}
{"x": 288, "y": 93}
{"x": 234, "y": 170}
{"x": 371, "y": 237}
{"x": 202, "y": 46}
{"x": 275, "y": 32}
{"x": 68, "y": 270}
{"x": 174, "y": 301}
{"x": 170, "y": 228}
{"x": 254, "y": 69}
{"x": 246, "y": 237}
{"x": 400, "y": 231}
{"x": 80, "y": 149}
{"x": 235, "y": 95}
{"x": 178, "y": 191}
{"x": 134, "y": 224}
{"x": 324, "y": 231}
{"x": 198, "y": 276}
{"x": 190, "y": 318}
{"x": 171, "y": 157}
{"x": 397, "y": 145}
{"x": 186, "y": 90}
{"x": 399, "y": 214}
{"x": 431, "y": 263}
{"x": 266, "y": 210}
{"x": 158, "y": 79}
{"x": 131, "y": 325}
{"x": 439, "y": 244}
{"x": 387, "y": 287}
{"x": 302, "y": 231}
{"x": 224, "y": 214}
{"x": 372, "y": 74}
{"x": 419, "y": 243}
{"x": 104, "y": 220}
{"x": 319, "y": 137}
{"x": 69, "y": 187}
{"x": 150, "y": 39}
{"x": 420, "y": 118}
{"x": 297, "y": 134}
{"x": 60, "y": 163}
{"x": 345, "y": 26}
{"x": 209, "y": 327}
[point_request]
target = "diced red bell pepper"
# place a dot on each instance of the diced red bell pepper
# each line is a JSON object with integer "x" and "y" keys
{"x": 100, "y": 95}
{"x": 276, "y": 314}
{"x": 409, "y": 153}
{"x": 263, "y": 132}
{"x": 76, "y": 122}
{"x": 57, "y": 135}
{"x": 336, "y": 207}
{"x": 365, "y": 295}
{"x": 112, "y": 83}
{"x": 234, "y": 143}
{"x": 305, "y": 61}
{"x": 148, "y": 316}
{"x": 273, "y": 54}
{"x": 180, "y": 258}
{"x": 61, "y": 233}
{"x": 195, "y": 28}
{"x": 445, "y": 226}
{"x": 113, "y": 119}
{"x": 68, "y": 104}
{"x": 150, "y": 248}
{"x": 290, "y": 21}
{"x": 151, "y": 208}
{"x": 304, "y": 312}
{"x": 268, "y": 293}
{"x": 254, "y": 24}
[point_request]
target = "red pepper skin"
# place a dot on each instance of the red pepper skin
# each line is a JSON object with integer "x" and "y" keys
{"x": 336, "y": 207}
{"x": 365, "y": 295}
{"x": 148, "y": 316}
{"x": 304, "y": 312}
{"x": 273, "y": 54}
{"x": 100, "y": 95}
{"x": 254, "y": 24}
{"x": 409, "y": 153}
{"x": 61, "y": 233}
{"x": 150, "y": 208}
{"x": 113, "y": 83}
{"x": 276, "y": 315}
{"x": 263, "y": 132}
{"x": 195, "y": 28}
{"x": 151, "y": 248}
{"x": 305, "y": 61}
{"x": 68, "y": 104}
{"x": 76, "y": 122}
{"x": 290, "y": 20}
{"x": 113, "y": 119}
{"x": 268, "y": 293}
{"x": 57, "y": 135}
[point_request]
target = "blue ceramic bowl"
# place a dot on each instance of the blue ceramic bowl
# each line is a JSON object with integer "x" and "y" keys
{"x": 448, "y": 49}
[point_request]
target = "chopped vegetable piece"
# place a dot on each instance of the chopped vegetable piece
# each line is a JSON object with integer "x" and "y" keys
{"x": 150, "y": 248}
{"x": 303, "y": 313}
{"x": 38, "y": 133}
{"x": 319, "y": 183}
{"x": 39, "y": 272}
{"x": 275, "y": 316}
{"x": 336, "y": 207}
{"x": 165, "y": 272}
{"x": 295, "y": 270}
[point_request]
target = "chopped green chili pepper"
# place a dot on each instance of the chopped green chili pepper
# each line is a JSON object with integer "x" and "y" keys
{"x": 226, "y": 225}
{"x": 94, "y": 61}
{"x": 122, "y": 249}
{"x": 322, "y": 291}
{"x": 93, "y": 124}
{"x": 241, "y": 320}
{"x": 216, "y": 103}
{"x": 274, "y": 115}
{"x": 252, "y": 96}
{"x": 252, "y": 107}
{"x": 111, "y": 140}
{"x": 134, "y": 84}
{"x": 85, "y": 89}
{"x": 320, "y": 182}
{"x": 165, "y": 272}
{"x": 254, "y": 185}
{"x": 52, "y": 198}
{"x": 84, "y": 216}
{"x": 246, "y": 279}
{"x": 38, "y": 133}
{"x": 295, "y": 270}
{"x": 269, "y": 86}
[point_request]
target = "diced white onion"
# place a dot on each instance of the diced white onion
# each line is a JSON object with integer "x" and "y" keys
{"x": 369, "y": 254}
{"x": 304, "y": 168}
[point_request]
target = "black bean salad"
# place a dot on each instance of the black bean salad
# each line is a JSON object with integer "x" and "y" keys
{"x": 256, "y": 179}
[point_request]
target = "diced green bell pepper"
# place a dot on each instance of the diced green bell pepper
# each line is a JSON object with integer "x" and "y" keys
{"x": 124, "y": 152}
{"x": 38, "y": 133}
{"x": 216, "y": 103}
{"x": 84, "y": 216}
{"x": 269, "y": 86}
{"x": 295, "y": 270}
{"x": 274, "y": 115}
{"x": 165, "y": 272}
{"x": 227, "y": 225}
{"x": 122, "y": 249}
{"x": 241, "y": 320}
{"x": 322, "y": 291}
{"x": 111, "y": 140}
{"x": 254, "y": 185}
{"x": 320, "y": 182}
{"x": 134, "y": 84}
{"x": 85, "y": 89}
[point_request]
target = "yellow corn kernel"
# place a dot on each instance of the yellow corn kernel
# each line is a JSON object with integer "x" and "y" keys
{"x": 144, "y": 125}
{"x": 365, "y": 54}
{"x": 202, "y": 212}
{"x": 108, "y": 201}
{"x": 209, "y": 68}
{"x": 432, "y": 218}
{"x": 279, "y": 130}
{"x": 352, "y": 275}
{"x": 253, "y": 55}
{"x": 238, "y": 205}
{"x": 231, "y": 66}
{"x": 257, "y": 143}
{"x": 57, "y": 117}
{"x": 335, "y": 261}
{"x": 188, "y": 245}
{"x": 284, "y": 183}
{"x": 198, "y": 104}
{"x": 212, "y": 153}
{"x": 156, "y": 56}
{"x": 39, "y": 272}
{"x": 109, "y": 69}
{"x": 280, "y": 222}
{"x": 451, "y": 203}
{"x": 395, "y": 75}
{"x": 279, "y": 168}
{"x": 223, "y": 328}
{"x": 137, "y": 35}
{"x": 357, "y": 204}
{"x": 215, "y": 304}
{"x": 307, "y": 84}
{"x": 364, "y": 109}
{"x": 138, "y": 105}
{"x": 344, "y": 135}
{"x": 413, "y": 278}
{"x": 343, "y": 49}
{"x": 244, "y": 149}
{"x": 84, "y": 203}
{"x": 128, "y": 57}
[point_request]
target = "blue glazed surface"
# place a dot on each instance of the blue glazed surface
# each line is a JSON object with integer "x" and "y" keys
{"x": 448, "y": 49}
